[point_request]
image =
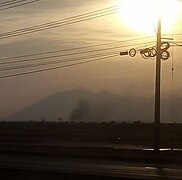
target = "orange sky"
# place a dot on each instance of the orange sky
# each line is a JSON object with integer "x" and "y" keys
{"x": 122, "y": 75}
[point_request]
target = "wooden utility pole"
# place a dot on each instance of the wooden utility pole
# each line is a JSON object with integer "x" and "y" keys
{"x": 157, "y": 88}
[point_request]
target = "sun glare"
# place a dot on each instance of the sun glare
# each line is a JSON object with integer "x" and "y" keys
{"x": 142, "y": 15}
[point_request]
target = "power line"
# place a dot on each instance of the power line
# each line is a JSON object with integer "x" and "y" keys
{"x": 17, "y": 5}
{"x": 64, "y": 19}
{"x": 73, "y": 59}
{"x": 58, "y": 61}
{"x": 59, "y": 23}
{"x": 72, "y": 49}
{"x": 56, "y": 26}
{"x": 173, "y": 34}
{"x": 57, "y": 67}
{"x": 11, "y": 3}
{"x": 61, "y": 55}
{"x": 75, "y": 53}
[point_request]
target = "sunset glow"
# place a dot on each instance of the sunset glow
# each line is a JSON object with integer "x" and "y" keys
{"x": 142, "y": 15}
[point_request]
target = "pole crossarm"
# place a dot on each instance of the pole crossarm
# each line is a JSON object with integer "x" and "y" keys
{"x": 150, "y": 52}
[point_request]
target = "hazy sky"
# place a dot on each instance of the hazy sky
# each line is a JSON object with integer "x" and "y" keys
{"x": 122, "y": 75}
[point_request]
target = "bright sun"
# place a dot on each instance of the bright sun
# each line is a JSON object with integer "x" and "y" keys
{"x": 142, "y": 15}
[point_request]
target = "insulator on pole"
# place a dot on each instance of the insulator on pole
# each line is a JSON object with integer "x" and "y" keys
{"x": 153, "y": 52}
{"x": 165, "y": 46}
{"x": 145, "y": 53}
{"x": 132, "y": 52}
{"x": 165, "y": 55}
{"x": 123, "y": 53}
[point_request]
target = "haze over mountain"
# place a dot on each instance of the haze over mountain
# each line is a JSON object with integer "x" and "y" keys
{"x": 52, "y": 107}
{"x": 105, "y": 107}
{"x": 81, "y": 104}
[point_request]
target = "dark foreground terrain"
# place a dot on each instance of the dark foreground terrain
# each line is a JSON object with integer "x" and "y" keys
{"x": 135, "y": 134}
{"x": 51, "y": 151}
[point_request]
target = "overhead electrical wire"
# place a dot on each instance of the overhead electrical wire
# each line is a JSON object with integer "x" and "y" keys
{"x": 7, "y": 2}
{"x": 176, "y": 44}
{"x": 72, "y": 49}
{"x": 74, "y": 53}
{"x": 64, "y": 19}
{"x": 57, "y": 67}
{"x": 60, "y": 55}
{"x": 62, "y": 60}
{"x": 173, "y": 34}
{"x": 16, "y": 4}
{"x": 11, "y": 3}
{"x": 54, "y": 24}
{"x": 74, "y": 60}
{"x": 62, "y": 22}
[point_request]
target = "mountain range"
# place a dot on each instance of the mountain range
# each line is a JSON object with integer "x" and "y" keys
{"x": 52, "y": 107}
{"x": 83, "y": 105}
